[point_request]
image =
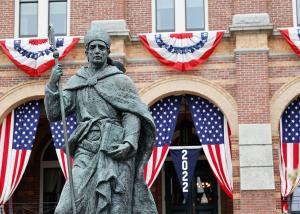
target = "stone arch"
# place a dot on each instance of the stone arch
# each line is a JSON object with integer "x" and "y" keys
{"x": 21, "y": 94}
{"x": 280, "y": 100}
{"x": 195, "y": 86}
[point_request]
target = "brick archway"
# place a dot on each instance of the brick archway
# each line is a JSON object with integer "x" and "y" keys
{"x": 280, "y": 100}
{"x": 195, "y": 86}
{"x": 21, "y": 94}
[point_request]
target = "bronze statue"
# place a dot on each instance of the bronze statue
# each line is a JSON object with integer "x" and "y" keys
{"x": 114, "y": 137}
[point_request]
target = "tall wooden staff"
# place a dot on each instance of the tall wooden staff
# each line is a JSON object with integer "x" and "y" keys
{"x": 52, "y": 42}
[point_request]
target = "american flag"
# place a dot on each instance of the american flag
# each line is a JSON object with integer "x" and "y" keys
{"x": 57, "y": 131}
{"x": 17, "y": 135}
{"x": 165, "y": 114}
{"x": 213, "y": 132}
{"x": 289, "y": 148}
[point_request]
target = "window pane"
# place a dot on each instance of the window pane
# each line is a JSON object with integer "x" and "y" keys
{"x": 165, "y": 15}
{"x": 28, "y": 19}
{"x": 195, "y": 14}
{"x": 58, "y": 17}
{"x": 298, "y": 12}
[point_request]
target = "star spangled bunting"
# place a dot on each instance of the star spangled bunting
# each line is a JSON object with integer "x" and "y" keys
{"x": 289, "y": 148}
{"x": 182, "y": 51}
{"x": 35, "y": 56}
{"x": 57, "y": 132}
{"x": 212, "y": 130}
{"x": 165, "y": 114}
{"x": 17, "y": 135}
{"x": 292, "y": 36}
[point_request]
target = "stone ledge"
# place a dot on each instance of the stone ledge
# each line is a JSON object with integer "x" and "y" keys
{"x": 251, "y": 22}
{"x": 113, "y": 27}
{"x": 247, "y": 50}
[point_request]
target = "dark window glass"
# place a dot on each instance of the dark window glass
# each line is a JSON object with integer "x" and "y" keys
{"x": 28, "y": 18}
{"x": 58, "y": 16}
{"x": 165, "y": 15}
{"x": 53, "y": 183}
{"x": 195, "y": 15}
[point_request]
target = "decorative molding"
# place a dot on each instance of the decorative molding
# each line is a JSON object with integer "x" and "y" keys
{"x": 183, "y": 84}
{"x": 280, "y": 100}
{"x": 247, "y": 50}
{"x": 21, "y": 94}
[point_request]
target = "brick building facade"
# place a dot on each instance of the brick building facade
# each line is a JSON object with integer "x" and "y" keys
{"x": 252, "y": 76}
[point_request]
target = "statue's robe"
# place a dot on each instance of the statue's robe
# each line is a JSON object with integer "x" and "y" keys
{"x": 108, "y": 111}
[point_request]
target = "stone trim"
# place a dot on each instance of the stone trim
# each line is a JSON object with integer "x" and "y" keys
{"x": 21, "y": 94}
{"x": 280, "y": 100}
{"x": 247, "y": 50}
{"x": 196, "y": 86}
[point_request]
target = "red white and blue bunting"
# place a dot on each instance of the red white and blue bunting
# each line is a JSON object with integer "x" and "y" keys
{"x": 182, "y": 51}
{"x": 289, "y": 150}
{"x": 35, "y": 56}
{"x": 57, "y": 132}
{"x": 165, "y": 113}
{"x": 292, "y": 36}
{"x": 17, "y": 136}
{"x": 214, "y": 133}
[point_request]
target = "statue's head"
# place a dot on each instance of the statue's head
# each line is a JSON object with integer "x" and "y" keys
{"x": 97, "y": 45}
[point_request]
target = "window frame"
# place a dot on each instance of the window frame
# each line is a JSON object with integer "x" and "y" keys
{"x": 169, "y": 30}
{"x": 37, "y": 27}
{"x": 49, "y": 1}
{"x": 180, "y": 17}
{"x": 198, "y": 29}
{"x": 43, "y": 8}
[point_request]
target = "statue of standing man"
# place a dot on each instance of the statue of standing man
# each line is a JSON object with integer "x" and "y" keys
{"x": 114, "y": 137}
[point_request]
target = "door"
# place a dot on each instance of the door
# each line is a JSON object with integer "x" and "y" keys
{"x": 203, "y": 197}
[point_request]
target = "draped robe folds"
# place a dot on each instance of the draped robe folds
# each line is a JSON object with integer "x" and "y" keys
{"x": 102, "y": 184}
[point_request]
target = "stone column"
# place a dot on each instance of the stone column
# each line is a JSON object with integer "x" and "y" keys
{"x": 257, "y": 185}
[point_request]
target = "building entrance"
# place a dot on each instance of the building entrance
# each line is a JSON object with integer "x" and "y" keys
{"x": 203, "y": 197}
{"x": 203, "y": 191}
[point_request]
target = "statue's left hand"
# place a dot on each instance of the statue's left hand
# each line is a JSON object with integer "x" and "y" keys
{"x": 120, "y": 151}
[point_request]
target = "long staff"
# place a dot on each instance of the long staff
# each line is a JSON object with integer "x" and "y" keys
{"x": 63, "y": 117}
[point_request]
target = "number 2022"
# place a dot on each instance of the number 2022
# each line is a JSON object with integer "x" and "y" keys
{"x": 184, "y": 166}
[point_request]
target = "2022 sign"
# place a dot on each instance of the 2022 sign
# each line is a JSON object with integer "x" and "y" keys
{"x": 185, "y": 173}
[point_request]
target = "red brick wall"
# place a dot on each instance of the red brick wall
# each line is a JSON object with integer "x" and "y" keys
{"x": 84, "y": 12}
{"x": 252, "y": 87}
{"x": 258, "y": 202}
{"x": 7, "y": 20}
{"x": 138, "y": 16}
{"x": 220, "y": 14}
{"x": 281, "y": 13}
{"x": 250, "y": 6}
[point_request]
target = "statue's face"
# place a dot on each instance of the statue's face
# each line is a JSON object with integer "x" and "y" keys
{"x": 97, "y": 53}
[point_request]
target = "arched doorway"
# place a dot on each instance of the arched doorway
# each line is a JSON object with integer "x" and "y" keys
{"x": 52, "y": 180}
{"x": 204, "y": 195}
{"x": 42, "y": 181}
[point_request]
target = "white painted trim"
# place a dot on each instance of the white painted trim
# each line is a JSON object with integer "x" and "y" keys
{"x": 185, "y": 147}
{"x": 17, "y": 14}
{"x": 153, "y": 12}
{"x": 206, "y": 15}
{"x": 43, "y": 15}
{"x": 68, "y": 17}
{"x": 180, "y": 16}
{"x": 294, "y": 5}
{"x": 43, "y": 18}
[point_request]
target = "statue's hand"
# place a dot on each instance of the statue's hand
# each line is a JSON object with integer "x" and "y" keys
{"x": 120, "y": 151}
{"x": 55, "y": 76}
